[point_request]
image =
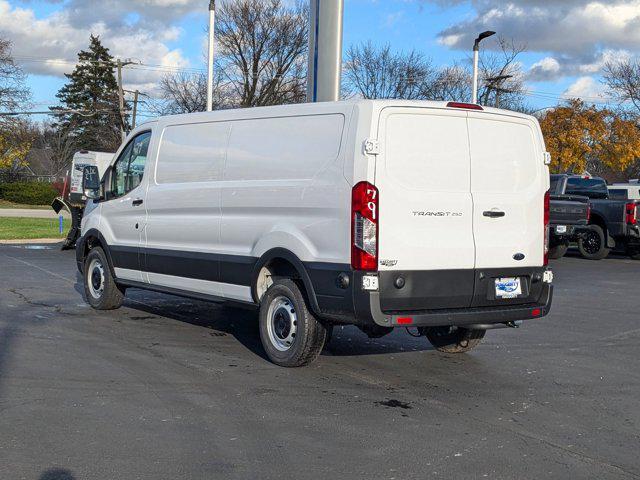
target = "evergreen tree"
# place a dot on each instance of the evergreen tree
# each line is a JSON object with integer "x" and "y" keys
{"x": 92, "y": 91}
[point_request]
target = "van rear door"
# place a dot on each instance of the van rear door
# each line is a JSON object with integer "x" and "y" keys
{"x": 425, "y": 209}
{"x": 508, "y": 183}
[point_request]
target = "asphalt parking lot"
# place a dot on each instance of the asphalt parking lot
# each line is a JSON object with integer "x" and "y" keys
{"x": 168, "y": 388}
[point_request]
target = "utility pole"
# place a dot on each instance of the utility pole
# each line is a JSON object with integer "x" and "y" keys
{"x": 212, "y": 20}
{"x": 119, "y": 65}
{"x": 135, "y": 109}
{"x": 495, "y": 84}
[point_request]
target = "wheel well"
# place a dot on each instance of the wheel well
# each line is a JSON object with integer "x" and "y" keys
{"x": 598, "y": 220}
{"x": 275, "y": 267}
{"x": 91, "y": 242}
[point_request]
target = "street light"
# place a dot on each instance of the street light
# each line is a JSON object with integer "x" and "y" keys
{"x": 476, "y": 49}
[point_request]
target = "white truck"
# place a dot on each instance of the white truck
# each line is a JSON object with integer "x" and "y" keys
{"x": 73, "y": 199}
{"x": 380, "y": 214}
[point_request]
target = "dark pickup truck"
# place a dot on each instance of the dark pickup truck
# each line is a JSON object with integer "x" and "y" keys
{"x": 569, "y": 217}
{"x": 613, "y": 224}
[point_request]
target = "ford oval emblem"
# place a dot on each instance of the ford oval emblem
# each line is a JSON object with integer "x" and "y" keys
{"x": 518, "y": 256}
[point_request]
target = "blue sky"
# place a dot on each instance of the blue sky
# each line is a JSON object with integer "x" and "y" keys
{"x": 567, "y": 41}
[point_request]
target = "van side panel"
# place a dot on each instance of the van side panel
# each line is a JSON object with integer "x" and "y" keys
{"x": 283, "y": 187}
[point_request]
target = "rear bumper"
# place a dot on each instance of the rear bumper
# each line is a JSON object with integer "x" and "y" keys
{"x": 462, "y": 316}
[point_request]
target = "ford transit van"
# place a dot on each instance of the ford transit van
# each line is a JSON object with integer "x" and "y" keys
{"x": 379, "y": 214}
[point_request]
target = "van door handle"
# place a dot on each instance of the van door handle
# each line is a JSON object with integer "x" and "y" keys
{"x": 493, "y": 214}
{"x": 137, "y": 202}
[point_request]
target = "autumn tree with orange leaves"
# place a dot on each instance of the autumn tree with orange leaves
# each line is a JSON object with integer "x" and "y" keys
{"x": 582, "y": 137}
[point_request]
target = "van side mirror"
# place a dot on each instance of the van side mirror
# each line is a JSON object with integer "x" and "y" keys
{"x": 91, "y": 182}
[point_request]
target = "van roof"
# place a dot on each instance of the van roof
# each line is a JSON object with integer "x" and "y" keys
{"x": 326, "y": 107}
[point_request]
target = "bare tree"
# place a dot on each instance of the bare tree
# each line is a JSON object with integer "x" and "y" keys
{"x": 13, "y": 91}
{"x": 61, "y": 145}
{"x": 373, "y": 72}
{"x": 452, "y": 83}
{"x": 377, "y": 72}
{"x": 262, "y": 51}
{"x": 187, "y": 93}
{"x": 501, "y": 76}
{"x": 623, "y": 79}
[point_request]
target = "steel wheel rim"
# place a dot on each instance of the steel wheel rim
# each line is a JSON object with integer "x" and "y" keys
{"x": 95, "y": 278}
{"x": 592, "y": 243}
{"x": 282, "y": 323}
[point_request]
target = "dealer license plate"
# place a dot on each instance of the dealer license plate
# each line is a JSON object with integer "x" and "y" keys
{"x": 509, "y": 287}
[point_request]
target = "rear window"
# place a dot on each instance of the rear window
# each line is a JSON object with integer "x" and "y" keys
{"x": 618, "y": 194}
{"x": 589, "y": 187}
{"x": 555, "y": 182}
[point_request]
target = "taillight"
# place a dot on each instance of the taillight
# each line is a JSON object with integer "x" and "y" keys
{"x": 588, "y": 212}
{"x": 630, "y": 213}
{"x": 547, "y": 201}
{"x": 364, "y": 227}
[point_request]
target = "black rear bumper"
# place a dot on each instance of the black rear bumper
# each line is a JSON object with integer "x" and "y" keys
{"x": 462, "y": 316}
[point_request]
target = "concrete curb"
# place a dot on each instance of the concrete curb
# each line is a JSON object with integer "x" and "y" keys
{"x": 30, "y": 241}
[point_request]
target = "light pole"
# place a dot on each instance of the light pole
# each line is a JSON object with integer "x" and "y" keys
{"x": 212, "y": 18}
{"x": 325, "y": 50}
{"x": 476, "y": 50}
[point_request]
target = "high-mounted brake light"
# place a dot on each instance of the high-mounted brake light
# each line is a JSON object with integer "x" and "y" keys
{"x": 547, "y": 205}
{"x": 364, "y": 227}
{"x": 630, "y": 214}
{"x": 468, "y": 106}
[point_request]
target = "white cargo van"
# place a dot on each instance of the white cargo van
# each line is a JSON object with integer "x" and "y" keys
{"x": 380, "y": 214}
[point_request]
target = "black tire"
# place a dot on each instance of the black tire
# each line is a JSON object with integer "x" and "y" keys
{"x": 100, "y": 287}
{"x": 558, "y": 251}
{"x": 634, "y": 253}
{"x": 290, "y": 334}
{"x": 593, "y": 244}
{"x": 453, "y": 339}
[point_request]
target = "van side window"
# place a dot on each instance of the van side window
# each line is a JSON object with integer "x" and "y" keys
{"x": 129, "y": 167}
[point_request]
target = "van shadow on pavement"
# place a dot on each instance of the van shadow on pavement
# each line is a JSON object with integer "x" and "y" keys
{"x": 242, "y": 324}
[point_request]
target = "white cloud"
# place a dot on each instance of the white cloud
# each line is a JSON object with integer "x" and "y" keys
{"x": 587, "y": 88}
{"x": 47, "y": 45}
{"x": 576, "y": 35}
{"x": 545, "y": 69}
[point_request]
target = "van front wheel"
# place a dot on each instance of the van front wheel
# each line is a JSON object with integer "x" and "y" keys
{"x": 100, "y": 287}
{"x": 290, "y": 334}
{"x": 453, "y": 339}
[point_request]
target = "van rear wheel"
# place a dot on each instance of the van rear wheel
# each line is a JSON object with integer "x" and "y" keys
{"x": 290, "y": 334}
{"x": 558, "y": 251}
{"x": 452, "y": 339}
